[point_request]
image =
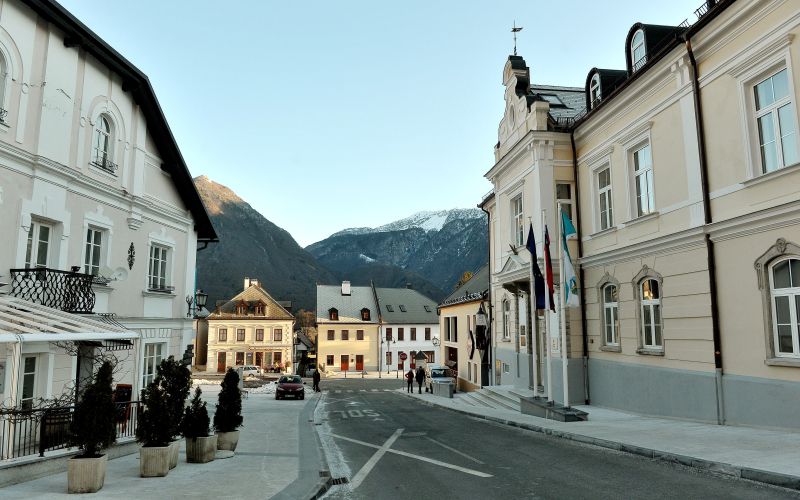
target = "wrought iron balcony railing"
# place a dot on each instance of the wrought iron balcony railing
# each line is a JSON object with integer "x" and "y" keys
{"x": 3, "y": 114}
{"x": 105, "y": 164}
{"x": 154, "y": 287}
{"x": 65, "y": 290}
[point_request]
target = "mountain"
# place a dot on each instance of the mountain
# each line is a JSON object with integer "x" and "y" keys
{"x": 437, "y": 247}
{"x": 251, "y": 246}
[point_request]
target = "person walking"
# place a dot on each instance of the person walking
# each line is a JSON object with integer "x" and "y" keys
{"x": 420, "y": 378}
{"x": 316, "y": 378}
{"x": 410, "y": 380}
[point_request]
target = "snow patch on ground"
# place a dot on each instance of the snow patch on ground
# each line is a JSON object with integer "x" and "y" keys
{"x": 337, "y": 465}
{"x": 365, "y": 258}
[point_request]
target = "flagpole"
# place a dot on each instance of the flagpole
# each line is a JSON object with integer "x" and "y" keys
{"x": 547, "y": 322}
{"x": 532, "y": 326}
{"x": 563, "y": 312}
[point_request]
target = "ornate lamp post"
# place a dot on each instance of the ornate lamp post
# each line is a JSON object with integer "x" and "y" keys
{"x": 482, "y": 341}
{"x": 196, "y": 303}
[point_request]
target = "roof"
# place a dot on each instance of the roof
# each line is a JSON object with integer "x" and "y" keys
{"x": 252, "y": 296}
{"x": 76, "y": 34}
{"x": 476, "y": 288}
{"x": 405, "y": 306}
{"x": 572, "y": 99}
{"x": 348, "y": 306}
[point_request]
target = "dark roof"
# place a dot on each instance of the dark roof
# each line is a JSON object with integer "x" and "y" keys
{"x": 405, "y": 306}
{"x": 476, "y": 288}
{"x": 76, "y": 34}
{"x": 571, "y": 97}
{"x": 251, "y": 297}
{"x": 656, "y": 39}
{"x": 610, "y": 79}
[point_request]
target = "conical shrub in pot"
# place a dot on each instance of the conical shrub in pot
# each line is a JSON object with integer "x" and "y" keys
{"x": 153, "y": 432}
{"x": 228, "y": 416}
{"x": 200, "y": 447}
{"x": 176, "y": 380}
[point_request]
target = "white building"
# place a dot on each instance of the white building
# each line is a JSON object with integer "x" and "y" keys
{"x": 408, "y": 324}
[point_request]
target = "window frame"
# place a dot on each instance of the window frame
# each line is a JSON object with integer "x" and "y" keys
{"x": 333, "y": 314}
{"x": 638, "y": 282}
{"x": 595, "y": 91}
{"x": 331, "y": 335}
{"x": 359, "y": 334}
{"x": 604, "y": 306}
{"x": 146, "y": 377}
{"x": 166, "y": 267}
{"x": 427, "y": 333}
{"x": 506, "y": 319}
{"x": 345, "y": 335}
{"x": 517, "y": 211}
{"x": 259, "y": 335}
{"x": 645, "y": 171}
{"x": 780, "y": 251}
{"x": 93, "y": 251}
{"x": 222, "y": 335}
{"x": 32, "y": 251}
{"x": 602, "y": 224}
{"x": 277, "y": 334}
{"x": 636, "y": 64}
{"x": 241, "y": 335}
{"x": 794, "y": 315}
{"x": 103, "y": 158}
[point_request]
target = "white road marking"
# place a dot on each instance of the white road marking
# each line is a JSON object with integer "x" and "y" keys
{"x": 367, "y": 468}
{"x": 454, "y": 450}
{"x": 373, "y": 390}
{"x": 337, "y": 391}
{"x": 362, "y": 390}
{"x": 417, "y": 457}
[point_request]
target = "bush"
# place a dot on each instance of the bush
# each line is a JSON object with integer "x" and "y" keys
{"x": 176, "y": 379}
{"x": 93, "y": 426}
{"x": 228, "y": 416}
{"x": 153, "y": 429}
{"x": 195, "y": 419}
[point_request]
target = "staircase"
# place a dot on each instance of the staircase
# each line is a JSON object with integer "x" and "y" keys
{"x": 498, "y": 397}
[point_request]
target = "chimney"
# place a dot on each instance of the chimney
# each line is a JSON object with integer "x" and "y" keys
{"x": 345, "y": 288}
{"x": 408, "y": 285}
{"x": 248, "y": 282}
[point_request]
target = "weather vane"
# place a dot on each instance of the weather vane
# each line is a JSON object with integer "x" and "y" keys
{"x": 514, "y": 30}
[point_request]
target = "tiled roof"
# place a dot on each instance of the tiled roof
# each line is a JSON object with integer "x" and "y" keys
{"x": 251, "y": 296}
{"x": 475, "y": 289}
{"x": 573, "y": 98}
{"x": 408, "y": 306}
{"x": 348, "y": 306}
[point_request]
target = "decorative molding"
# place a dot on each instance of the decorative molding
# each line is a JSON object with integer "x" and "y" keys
{"x": 679, "y": 241}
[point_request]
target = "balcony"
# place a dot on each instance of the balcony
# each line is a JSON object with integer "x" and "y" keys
{"x": 68, "y": 291}
{"x": 105, "y": 164}
{"x": 3, "y": 115}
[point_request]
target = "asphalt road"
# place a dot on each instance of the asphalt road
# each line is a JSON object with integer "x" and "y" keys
{"x": 389, "y": 446}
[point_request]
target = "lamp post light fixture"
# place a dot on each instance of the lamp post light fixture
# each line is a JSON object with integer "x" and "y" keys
{"x": 196, "y": 303}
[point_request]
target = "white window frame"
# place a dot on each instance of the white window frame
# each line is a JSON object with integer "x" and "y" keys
{"x": 635, "y": 66}
{"x": 102, "y": 156}
{"x": 93, "y": 250}
{"x": 4, "y": 78}
{"x": 32, "y": 257}
{"x": 646, "y": 173}
{"x": 567, "y": 204}
{"x": 611, "y": 308}
{"x": 595, "y": 92}
{"x": 652, "y": 305}
{"x": 35, "y": 377}
{"x": 506, "y": 319}
{"x": 158, "y": 257}
{"x": 793, "y": 293}
{"x": 147, "y": 376}
{"x": 517, "y": 220}
{"x": 606, "y": 193}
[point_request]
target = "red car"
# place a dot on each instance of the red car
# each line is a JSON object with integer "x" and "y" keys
{"x": 290, "y": 385}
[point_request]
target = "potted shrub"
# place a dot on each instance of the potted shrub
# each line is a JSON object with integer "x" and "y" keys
{"x": 175, "y": 378}
{"x": 200, "y": 447}
{"x": 153, "y": 432}
{"x": 228, "y": 416}
{"x": 92, "y": 430}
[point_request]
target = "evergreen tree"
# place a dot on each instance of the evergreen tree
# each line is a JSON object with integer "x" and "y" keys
{"x": 195, "y": 421}
{"x": 153, "y": 428}
{"x": 228, "y": 416}
{"x": 93, "y": 426}
{"x": 175, "y": 378}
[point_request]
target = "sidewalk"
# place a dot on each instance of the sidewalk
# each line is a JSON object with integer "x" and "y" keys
{"x": 277, "y": 455}
{"x": 757, "y": 454}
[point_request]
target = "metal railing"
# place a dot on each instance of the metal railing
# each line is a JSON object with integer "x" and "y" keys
{"x": 105, "y": 164}
{"x": 3, "y": 115}
{"x": 160, "y": 288}
{"x": 35, "y": 432}
{"x": 68, "y": 291}
{"x": 703, "y": 9}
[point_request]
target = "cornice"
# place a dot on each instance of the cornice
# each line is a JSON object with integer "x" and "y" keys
{"x": 683, "y": 240}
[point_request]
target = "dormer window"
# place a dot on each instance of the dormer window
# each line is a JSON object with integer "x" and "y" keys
{"x": 241, "y": 309}
{"x": 594, "y": 91}
{"x": 638, "y": 52}
{"x": 390, "y": 308}
{"x": 365, "y": 314}
{"x": 402, "y": 308}
{"x": 259, "y": 309}
{"x": 333, "y": 314}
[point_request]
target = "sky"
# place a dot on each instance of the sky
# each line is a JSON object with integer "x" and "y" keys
{"x": 327, "y": 115}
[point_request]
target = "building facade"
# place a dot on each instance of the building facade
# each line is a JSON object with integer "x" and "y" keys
{"x": 252, "y": 328}
{"x": 347, "y": 328}
{"x": 408, "y": 325}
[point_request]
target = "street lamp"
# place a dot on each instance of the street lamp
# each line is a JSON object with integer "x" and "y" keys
{"x": 199, "y": 300}
{"x": 389, "y": 340}
{"x": 481, "y": 331}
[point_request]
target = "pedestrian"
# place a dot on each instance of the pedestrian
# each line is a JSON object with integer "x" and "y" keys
{"x": 410, "y": 380}
{"x": 420, "y": 379}
{"x": 316, "y": 381}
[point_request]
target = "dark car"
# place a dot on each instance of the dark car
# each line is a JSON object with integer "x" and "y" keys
{"x": 290, "y": 385}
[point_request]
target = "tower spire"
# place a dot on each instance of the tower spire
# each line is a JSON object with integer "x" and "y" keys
{"x": 514, "y": 30}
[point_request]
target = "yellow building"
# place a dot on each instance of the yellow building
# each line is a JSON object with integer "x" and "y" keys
{"x": 347, "y": 328}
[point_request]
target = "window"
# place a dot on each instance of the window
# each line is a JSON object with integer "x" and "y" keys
{"x": 259, "y": 309}
{"x": 517, "y": 224}
{"x": 638, "y": 52}
{"x": 388, "y": 358}
{"x": 400, "y": 334}
{"x": 359, "y": 334}
{"x": 431, "y": 357}
{"x": 94, "y": 240}
{"x": 427, "y": 308}
{"x": 413, "y": 334}
{"x": 777, "y": 134}
{"x": 28, "y": 382}
{"x": 554, "y": 100}
{"x": 240, "y": 358}
{"x": 101, "y": 144}
{"x": 610, "y": 315}
{"x": 37, "y": 252}
{"x": 402, "y": 308}
{"x": 277, "y": 335}
{"x": 506, "y": 319}
{"x": 427, "y": 334}
{"x": 643, "y": 180}
{"x": 604, "y": 198}
{"x": 241, "y": 308}
{"x": 388, "y": 334}
{"x": 389, "y": 308}
{"x": 564, "y": 197}
{"x": 259, "y": 335}
{"x": 785, "y": 292}
{"x": 506, "y": 368}
{"x": 365, "y": 314}
{"x": 277, "y": 357}
{"x": 240, "y": 335}
{"x": 331, "y": 335}
{"x": 329, "y": 360}
{"x": 153, "y": 353}
{"x": 650, "y": 301}
{"x": 345, "y": 335}
{"x": 157, "y": 275}
{"x": 5, "y": 76}
{"x": 594, "y": 91}
{"x": 333, "y": 314}
{"x": 469, "y": 372}
{"x": 223, "y": 334}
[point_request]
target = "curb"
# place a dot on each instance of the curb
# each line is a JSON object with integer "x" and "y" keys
{"x": 757, "y": 475}
{"x": 326, "y": 481}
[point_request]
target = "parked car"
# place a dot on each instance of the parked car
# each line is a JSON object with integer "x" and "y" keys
{"x": 290, "y": 385}
{"x": 248, "y": 370}
{"x": 438, "y": 373}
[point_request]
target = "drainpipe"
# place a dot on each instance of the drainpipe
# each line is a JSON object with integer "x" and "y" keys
{"x": 708, "y": 219}
{"x": 490, "y": 325}
{"x": 585, "y": 335}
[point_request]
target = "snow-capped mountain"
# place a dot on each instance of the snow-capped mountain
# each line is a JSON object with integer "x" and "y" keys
{"x": 426, "y": 220}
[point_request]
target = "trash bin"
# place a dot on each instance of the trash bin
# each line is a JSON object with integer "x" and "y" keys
{"x": 444, "y": 388}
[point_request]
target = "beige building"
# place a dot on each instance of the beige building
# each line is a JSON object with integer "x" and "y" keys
{"x": 252, "y": 328}
{"x": 347, "y": 328}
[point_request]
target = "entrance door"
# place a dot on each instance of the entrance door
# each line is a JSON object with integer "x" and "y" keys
{"x": 260, "y": 360}
{"x": 345, "y": 362}
{"x": 359, "y": 362}
{"x": 221, "y": 362}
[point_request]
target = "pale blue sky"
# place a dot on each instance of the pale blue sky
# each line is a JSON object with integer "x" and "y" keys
{"x": 325, "y": 115}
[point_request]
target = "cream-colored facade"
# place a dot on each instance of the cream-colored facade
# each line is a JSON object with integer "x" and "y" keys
{"x": 347, "y": 328}
{"x": 250, "y": 329}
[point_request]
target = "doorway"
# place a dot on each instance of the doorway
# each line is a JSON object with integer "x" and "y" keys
{"x": 221, "y": 362}
{"x": 359, "y": 362}
{"x": 345, "y": 362}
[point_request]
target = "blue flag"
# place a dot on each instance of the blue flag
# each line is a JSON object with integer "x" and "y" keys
{"x": 538, "y": 279}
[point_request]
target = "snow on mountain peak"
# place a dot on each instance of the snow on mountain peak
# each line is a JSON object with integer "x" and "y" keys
{"x": 426, "y": 220}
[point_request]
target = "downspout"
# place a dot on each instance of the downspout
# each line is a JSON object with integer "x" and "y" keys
{"x": 708, "y": 219}
{"x": 585, "y": 333}
{"x": 489, "y": 327}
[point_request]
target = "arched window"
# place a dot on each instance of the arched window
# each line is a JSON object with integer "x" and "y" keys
{"x": 610, "y": 315}
{"x": 333, "y": 314}
{"x": 650, "y": 303}
{"x": 594, "y": 91}
{"x": 101, "y": 144}
{"x": 4, "y": 78}
{"x": 365, "y": 314}
{"x": 506, "y": 319}
{"x": 785, "y": 291}
{"x": 638, "y": 53}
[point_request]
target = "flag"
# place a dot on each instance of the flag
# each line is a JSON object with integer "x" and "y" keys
{"x": 538, "y": 279}
{"x": 548, "y": 268}
{"x": 570, "y": 282}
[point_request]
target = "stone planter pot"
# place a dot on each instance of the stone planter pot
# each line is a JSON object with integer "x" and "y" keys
{"x": 201, "y": 450}
{"x": 174, "y": 451}
{"x": 154, "y": 461}
{"x": 227, "y": 440}
{"x": 86, "y": 475}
